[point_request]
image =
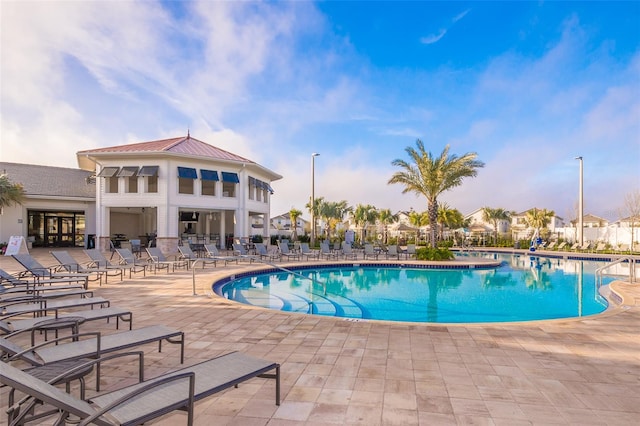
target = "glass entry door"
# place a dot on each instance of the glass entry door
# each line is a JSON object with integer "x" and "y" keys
{"x": 59, "y": 231}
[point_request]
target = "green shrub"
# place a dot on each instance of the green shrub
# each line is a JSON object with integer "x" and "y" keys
{"x": 428, "y": 253}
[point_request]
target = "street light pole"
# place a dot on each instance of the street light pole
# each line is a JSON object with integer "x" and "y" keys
{"x": 313, "y": 199}
{"x": 580, "y": 206}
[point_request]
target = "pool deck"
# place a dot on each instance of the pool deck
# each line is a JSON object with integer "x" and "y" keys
{"x": 337, "y": 371}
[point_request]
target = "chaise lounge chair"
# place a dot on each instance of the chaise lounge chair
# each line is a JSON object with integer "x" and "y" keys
{"x": 284, "y": 252}
{"x": 325, "y": 251}
{"x": 262, "y": 251}
{"x": 241, "y": 252}
{"x": 308, "y": 253}
{"x": 37, "y": 270}
{"x": 14, "y": 322}
{"x": 44, "y": 353}
{"x": 29, "y": 303}
{"x": 369, "y": 252}
{"x": 347, "y": 251}
{"x": 23, "y": 284}
{"x": 69, "y": 264}
{"x": 212, "y": 252}
{"x": 159, "y": 260}
{"x": 145, "y": 401}
{"x": 189, "y": 256}
{"x": 392, "y": 251}
{"x": 132, "y": 263}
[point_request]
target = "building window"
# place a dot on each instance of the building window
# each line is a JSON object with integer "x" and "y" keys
{"x": 209, "y": 180}
{"x": 150, "y": 175}
{"x": 111, "y": 185}
{"x": 229, "y": 182}
{"x": 252, "y": 187}
{"x": 130, "y": 175}
{"x": 110, "y": 179}
{"x": 186, "y": 177}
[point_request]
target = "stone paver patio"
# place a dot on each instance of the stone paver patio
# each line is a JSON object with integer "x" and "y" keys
{"x": 336, "y": 371}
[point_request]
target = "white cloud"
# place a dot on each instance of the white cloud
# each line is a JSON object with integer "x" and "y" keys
{"x": 433, "y": 38}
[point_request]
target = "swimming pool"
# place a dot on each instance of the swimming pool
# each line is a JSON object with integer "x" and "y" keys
{"x": 523, "y": 288}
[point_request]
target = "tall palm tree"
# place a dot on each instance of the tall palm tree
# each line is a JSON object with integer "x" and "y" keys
{"x": 10, "y": 193}
{"x": 294, "y": 214}
{"x": 363, "y": 215}
{"x": 495, "y": 216}
{"x": 430, "y": 176}
{"x": 386, "y": 218}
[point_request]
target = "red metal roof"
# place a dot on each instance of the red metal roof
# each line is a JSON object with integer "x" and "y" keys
{"x": 185, "y": 145}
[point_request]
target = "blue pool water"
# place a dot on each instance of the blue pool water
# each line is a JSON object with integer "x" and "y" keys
{"x": 524, "y": 288}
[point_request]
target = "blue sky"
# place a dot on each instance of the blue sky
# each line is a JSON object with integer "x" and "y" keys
{"x": 527, "y": 85}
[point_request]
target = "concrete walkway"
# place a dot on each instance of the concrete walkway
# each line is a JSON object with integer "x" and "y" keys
{"x": 335, "y": 371}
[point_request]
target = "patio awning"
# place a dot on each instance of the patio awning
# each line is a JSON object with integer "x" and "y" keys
{"x": 208, "y": 175}
{"x": 230, "y": 177}
{"x": 128, "y": 171}
{"x": 148, "y": 171}
{"x": 187, "y": 173}
{"x": 108, "y": 172}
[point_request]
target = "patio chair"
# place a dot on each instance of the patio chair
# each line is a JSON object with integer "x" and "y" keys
{"x": 306, "y": 251}
{"x": 561, "y": 246}
{"x": 284, "y": 252}
{"x": 242, "y": 253}
{"x": 262, "y": 251}
{"x": 213, "y": 252}
{"x": 36, "y": 269}
{"x": 347, "y": 251}
{"x": 144, "y": 401}
{"x": 189, "y": 256}
{"x": 29, "y": 304}
{"x": 132, "y": 263}
{"x": 550, "y": 246}
{"x": 370, "y": 252}
{"x": 98, "y": 260}
{"x": 411, "y": 251}
{"x": 325, "y": 251}
{"x": 23, "y": 284}
{"x": 71, "y": 265}
{"x": 159, "y": 260}
{"x": 392, "y": 252}
{"x": 12, "y": 323}
{"x": 6, "y": 295}
{"x": 85, "y": 346}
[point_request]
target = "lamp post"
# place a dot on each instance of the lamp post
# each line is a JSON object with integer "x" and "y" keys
{"x": 313, "y": 199}
{"x": 580, "y": 207}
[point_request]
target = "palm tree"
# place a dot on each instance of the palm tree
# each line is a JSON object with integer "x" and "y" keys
{"x": 539, "y": 218}
{"x": 294, "y": 214}
{"x": 494, "y": 216}
{"x": 430, "y": 176}
{"x": 449, "y": 218}
{"x": 363, "y": 215}
{"x": 385, "y": 217}
{"x": 314, "y": 210}
{"x": 333, "y": 212}
{"x": 10, "y": 193}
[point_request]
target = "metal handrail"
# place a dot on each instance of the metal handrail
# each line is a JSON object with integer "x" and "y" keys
{"x": 632, "y": 269}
